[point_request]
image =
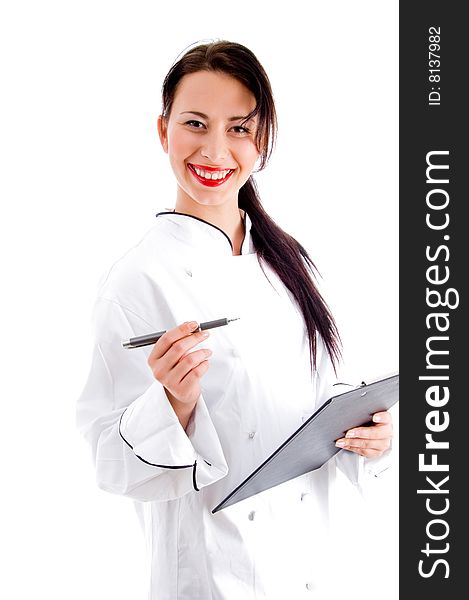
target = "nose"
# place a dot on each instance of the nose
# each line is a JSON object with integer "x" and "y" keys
{"x": 215, "y": 147}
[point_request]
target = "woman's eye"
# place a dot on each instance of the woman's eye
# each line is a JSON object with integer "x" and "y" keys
{"x": 195, "y": 124}
{"x": 241, "y": 129}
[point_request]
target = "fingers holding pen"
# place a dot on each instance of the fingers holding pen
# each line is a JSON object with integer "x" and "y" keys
{"x": 191, "y": 360}
{"x": 174, "y": 346}
{"x": 174, "y": 364}
{"x": 172, "y": 336}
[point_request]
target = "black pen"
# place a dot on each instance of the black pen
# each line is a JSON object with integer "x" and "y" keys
{"x": 152, "y": 338}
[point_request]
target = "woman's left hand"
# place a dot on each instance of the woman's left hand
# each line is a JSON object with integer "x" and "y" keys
{"x": 372, "y": 440}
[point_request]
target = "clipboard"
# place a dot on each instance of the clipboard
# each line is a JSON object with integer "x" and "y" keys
{"x": 313, "y": 444}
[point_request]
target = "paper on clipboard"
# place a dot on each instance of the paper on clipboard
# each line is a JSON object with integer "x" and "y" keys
{"x": 313, "y": 444}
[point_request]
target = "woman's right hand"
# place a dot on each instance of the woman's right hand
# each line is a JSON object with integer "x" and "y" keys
{"x": 177, "y": 369}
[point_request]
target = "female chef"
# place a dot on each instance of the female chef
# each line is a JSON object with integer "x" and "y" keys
{"x": 176, "y": 426}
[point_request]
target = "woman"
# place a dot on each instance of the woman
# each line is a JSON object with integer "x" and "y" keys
{"x": 178, "y": 425}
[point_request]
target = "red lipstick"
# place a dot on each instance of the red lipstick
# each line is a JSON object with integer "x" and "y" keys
{"x": 209, "y": 182}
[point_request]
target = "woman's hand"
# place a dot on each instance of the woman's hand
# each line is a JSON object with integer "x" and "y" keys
{"x": 370, "y": 441}
{"x": 179, "y": 370}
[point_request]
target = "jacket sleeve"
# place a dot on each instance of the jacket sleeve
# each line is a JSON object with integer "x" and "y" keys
{"x": 358, "y": 469}
{"x": 139, "y": 447}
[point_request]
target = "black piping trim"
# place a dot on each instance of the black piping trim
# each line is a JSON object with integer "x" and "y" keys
{"x": 193, "y": 477}
{"x": 244, "y": 236}
{"x": 173, "y": 212}
{"x": 146, "y": 461}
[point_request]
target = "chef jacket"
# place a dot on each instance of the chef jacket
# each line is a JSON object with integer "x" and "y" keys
{"x": 257, "y": 391}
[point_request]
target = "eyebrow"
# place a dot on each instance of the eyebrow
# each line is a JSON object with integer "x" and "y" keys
{"x": 204, "y": 116}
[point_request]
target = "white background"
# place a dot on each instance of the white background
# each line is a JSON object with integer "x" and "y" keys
{"x": 82, "y": 177}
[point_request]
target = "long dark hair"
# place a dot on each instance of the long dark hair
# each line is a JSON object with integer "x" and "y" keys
{"x": 281, "y": 251}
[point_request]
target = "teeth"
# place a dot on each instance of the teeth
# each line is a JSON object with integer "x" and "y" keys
{"x": 211, "y": 174}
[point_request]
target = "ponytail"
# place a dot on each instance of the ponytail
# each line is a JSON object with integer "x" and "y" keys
{"x": 296, "y": 270}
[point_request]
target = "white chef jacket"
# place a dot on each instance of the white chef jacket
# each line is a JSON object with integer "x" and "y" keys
{"x": 256, "y": 392}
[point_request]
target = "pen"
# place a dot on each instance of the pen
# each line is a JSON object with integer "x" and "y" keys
{"x": 152, "y": 338}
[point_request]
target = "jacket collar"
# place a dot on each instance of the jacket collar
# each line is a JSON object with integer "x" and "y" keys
{"x": 203, "y": 235}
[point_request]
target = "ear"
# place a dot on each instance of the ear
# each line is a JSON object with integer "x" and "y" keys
{"x": 163, "y": 132}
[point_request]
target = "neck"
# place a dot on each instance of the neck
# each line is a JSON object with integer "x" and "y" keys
{"x": 228, "y": 217}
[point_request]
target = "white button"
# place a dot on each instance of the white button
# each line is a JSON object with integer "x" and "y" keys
{"x": 251, "y": 434}
{"x": 309, "y": 585}
{"x": 189, "y": 272}
{"x": 251, "y": 515}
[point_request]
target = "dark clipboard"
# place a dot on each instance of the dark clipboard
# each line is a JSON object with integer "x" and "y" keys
{"x": 313, "y": 444}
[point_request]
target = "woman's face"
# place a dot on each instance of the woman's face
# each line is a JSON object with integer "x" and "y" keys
{"x": 211, "y": 154}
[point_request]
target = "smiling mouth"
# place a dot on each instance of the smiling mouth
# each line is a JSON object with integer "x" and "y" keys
{"x": 210, "y": 177}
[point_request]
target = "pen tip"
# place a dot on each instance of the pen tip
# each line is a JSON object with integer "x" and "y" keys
{"x": 235, "y": 319}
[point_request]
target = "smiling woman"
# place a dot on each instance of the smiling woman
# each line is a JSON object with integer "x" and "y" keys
{"x": 178, "y": 426}
{"x": 216, "y": 150}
